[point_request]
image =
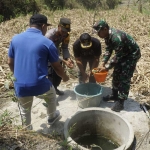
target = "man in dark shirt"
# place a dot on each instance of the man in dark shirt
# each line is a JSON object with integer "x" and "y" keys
{"x": 86, "y": 49}
{"x": 127, "y": 53}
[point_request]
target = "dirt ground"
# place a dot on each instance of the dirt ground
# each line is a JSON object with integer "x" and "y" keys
{"x": 52, "y": 135}
{"x": 24, "y": 141}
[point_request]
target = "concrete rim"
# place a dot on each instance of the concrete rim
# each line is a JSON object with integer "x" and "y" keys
{"x": 122, "y": 147}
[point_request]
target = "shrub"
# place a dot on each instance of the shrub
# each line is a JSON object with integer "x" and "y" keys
{"x": 112, "y": 3}
{"x": 88, "y": 4}
{"x": 55, "y": 4}
{"x": 12, "y": 8}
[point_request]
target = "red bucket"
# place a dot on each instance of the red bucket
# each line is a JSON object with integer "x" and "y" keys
{"x": 100, "y": 76}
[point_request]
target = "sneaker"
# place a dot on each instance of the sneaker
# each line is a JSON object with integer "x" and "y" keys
{"x": 109, "y": 98}
{"x": 118, "y": 106}
{"x": 56, "y": 118}
{"x": 59, "y": 92}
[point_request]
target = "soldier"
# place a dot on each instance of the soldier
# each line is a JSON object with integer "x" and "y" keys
{"x": 127, "y": 53}
{"x": 60, "y": 36}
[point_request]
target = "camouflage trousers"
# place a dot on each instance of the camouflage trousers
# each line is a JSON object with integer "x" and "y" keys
{"x": 122, "y": 75}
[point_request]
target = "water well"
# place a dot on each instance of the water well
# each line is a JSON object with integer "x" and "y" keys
{"x": 97, "y": 121}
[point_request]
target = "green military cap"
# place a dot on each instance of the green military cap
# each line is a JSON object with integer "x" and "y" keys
{"x": 100, "y": 24}
{"x": 65, "y": 24}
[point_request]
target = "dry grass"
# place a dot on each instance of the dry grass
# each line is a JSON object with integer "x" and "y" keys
{"x": 27, "y": 140}
{"x": 132, "y": 22}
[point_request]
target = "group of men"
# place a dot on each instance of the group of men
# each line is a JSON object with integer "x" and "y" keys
{"x": 36, "y": 56}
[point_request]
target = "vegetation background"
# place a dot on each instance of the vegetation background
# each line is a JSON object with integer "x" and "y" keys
{"x": 14, "y": 16}
{"x": 14, "y": 8}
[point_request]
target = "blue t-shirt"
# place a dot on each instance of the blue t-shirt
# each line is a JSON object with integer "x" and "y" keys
{"x": 31, "y": 52}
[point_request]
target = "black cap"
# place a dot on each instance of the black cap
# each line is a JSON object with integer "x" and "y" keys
{"x": 39, "y": 19}
{"x": 85, "y": 40}
{"x": 65, "y": 24}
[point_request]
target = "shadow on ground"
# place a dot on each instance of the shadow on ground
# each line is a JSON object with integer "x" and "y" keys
{"x": 67, "y": 94}
{"x": 68, "y": 105}
{"x": 130, "y": 104}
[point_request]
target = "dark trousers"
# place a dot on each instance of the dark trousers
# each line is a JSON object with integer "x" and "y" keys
{"x": 122, "y": 75}
{"x": 53, "y": 77}
{"x": 84, "y": 62}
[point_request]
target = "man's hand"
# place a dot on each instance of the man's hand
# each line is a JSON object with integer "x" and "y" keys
{"x": 69, "y": 63}
{"x": 102, "y": 67}
{"x": 65, "y": 78}
{"x": 11, "y": 64}
{"x": 90, "y": 73}
{"x": 60, "y": 71}
{"x": 103, "y": 64}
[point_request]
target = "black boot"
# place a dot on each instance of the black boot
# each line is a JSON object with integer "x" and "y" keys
{"x": 113, "y": 96}
{"x": 60, "y": 93}
{"x": 119, "y": 105}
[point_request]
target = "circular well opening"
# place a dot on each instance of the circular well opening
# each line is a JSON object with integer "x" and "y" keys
{"x": 97, "y": 121}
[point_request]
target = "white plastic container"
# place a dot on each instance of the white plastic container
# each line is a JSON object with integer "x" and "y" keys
{"x": 88, "y": 95}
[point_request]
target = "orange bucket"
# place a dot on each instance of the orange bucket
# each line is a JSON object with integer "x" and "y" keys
{"x": 99, "y": 76}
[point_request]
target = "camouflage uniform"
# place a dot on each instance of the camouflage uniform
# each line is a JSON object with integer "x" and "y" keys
{"x": 127, "y": 53}
{"x": 62, "y": 51}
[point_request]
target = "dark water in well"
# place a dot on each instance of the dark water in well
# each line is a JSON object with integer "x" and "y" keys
{"x": 89, "y": 141}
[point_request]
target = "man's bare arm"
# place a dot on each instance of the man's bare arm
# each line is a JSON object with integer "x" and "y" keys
{"x": 11, "y": 64}
{"x": 60, "y": 71}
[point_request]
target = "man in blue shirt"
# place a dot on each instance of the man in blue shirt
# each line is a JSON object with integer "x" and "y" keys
{"x": 28, "y": 57}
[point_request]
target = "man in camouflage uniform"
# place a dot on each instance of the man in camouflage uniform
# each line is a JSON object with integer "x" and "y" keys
{"x": 127, "y": 53}
{"x": 60, "y": 36}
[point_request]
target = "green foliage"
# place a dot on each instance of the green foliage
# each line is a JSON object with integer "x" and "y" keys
{"x": 1, "y": 18}
{"x": 13, "y": 8}
{"x": 70, "y": 4}
{"x": 65, "y": 143}
{"x": 7, "y": 84}
{"x": 72, "y": 129}
{"x": 112, "y": 3}
{"x": 123, "y": 18}
{"x": 88, "y": 4}
{"x": 13, "y": 96}
{"x": 55, "y": 4}
{"x": 10, "y": 80}
{"x": 5, "y": 118}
